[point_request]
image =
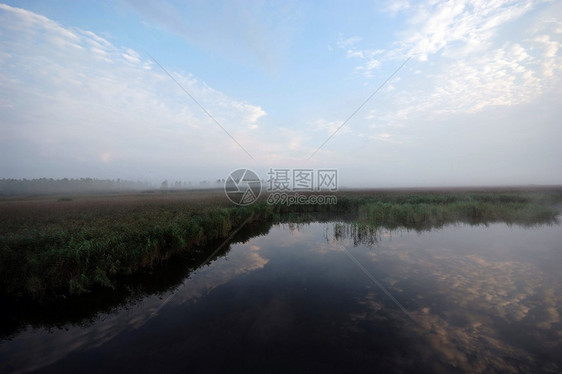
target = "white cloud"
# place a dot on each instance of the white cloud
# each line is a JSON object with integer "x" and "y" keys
{"x": 551, "y": 60}
{"x": 396, "y": 6}
{"x": 436, "y": 25}
{"x": 505, "y": 76}
{"x": 472, "y": 59}
{"x": 251, "y": 113}
{"x": 131, "y": 56}
{"x": 348, "y": 42}
{"x": 77, "y": 94}
{"x": 322, "y": 129}
{"x": 384, "y": 137}
{"x": 472, "y": 67}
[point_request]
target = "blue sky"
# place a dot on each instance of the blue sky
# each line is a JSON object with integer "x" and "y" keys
{"x": 478, "y": 103}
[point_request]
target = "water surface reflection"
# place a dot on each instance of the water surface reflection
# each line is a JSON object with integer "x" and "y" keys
{"x": 482, "y": 298}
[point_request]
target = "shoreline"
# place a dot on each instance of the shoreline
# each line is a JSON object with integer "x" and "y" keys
{"x": 52, "y": 248}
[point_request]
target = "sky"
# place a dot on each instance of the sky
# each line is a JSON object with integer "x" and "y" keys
{"x": 151, "y": 90}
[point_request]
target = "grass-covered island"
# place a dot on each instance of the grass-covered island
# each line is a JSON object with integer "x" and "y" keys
{"x": 53, "y": 247}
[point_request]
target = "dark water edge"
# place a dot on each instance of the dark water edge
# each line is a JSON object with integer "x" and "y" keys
{"x": 284, "y": 321}
{"x": 82, "y": 310}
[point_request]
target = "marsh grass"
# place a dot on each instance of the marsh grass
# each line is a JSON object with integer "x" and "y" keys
{"x": 50, "y": 250}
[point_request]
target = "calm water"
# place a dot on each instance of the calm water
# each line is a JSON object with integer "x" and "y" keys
{"x": 319, "y": 298}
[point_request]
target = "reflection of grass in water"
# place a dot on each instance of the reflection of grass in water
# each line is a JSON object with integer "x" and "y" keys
{"x": 434, "y": 210}
{"x": 85, "y": 308}
{"x": 52, "y": 250}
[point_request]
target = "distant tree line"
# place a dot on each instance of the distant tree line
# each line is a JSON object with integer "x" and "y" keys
{"x": 47, "y": 186}
{"x": 179, "y": 185}
{"x": 50, "y": 186}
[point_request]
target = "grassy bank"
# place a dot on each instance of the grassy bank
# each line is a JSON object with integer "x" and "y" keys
{"x": 54, "y": 247}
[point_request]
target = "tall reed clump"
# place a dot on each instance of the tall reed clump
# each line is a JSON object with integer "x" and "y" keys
{"x": 435, "y": 210}
{"x": 70, "y": 257}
